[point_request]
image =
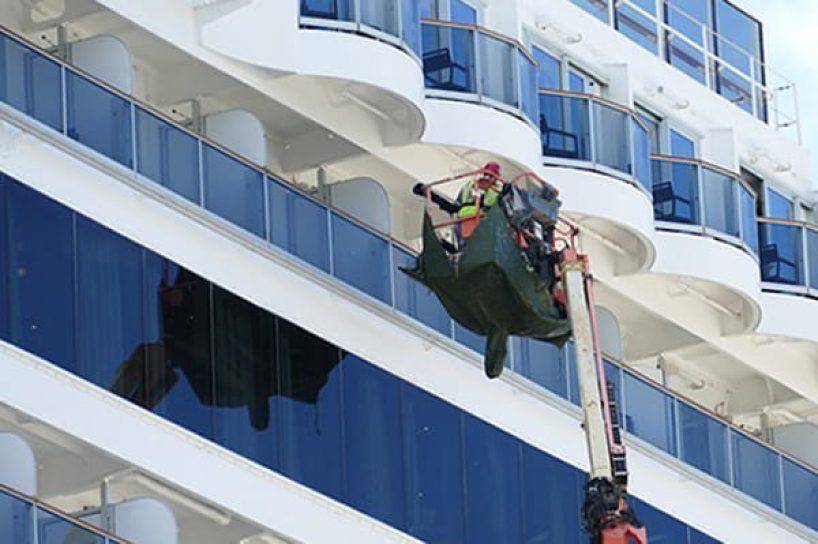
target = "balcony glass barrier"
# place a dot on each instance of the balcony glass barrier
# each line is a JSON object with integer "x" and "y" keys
{"x": 393, "y": 20}
{"x": 580, "y": 127}
{"x": 717, "y": 45}
{"x": 789, "y": 255}
{"x": 24, "y": 520}
{"x": 331, "y": 242}
{"x": 694, "y": 196}
{"x": 467, "y": 62}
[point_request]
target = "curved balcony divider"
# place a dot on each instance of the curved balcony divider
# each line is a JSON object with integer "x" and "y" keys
{"x": 356, "y": 255}
{"x": 789, "y": 256}
{"x": 588, "y": 132}
{"x": 467, "y": 62}
{"x": 25, "y": 520}
{"x": 394, "y": 21}
{"x": 693, "y": 196}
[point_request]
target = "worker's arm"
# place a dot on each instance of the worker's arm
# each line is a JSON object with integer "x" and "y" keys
{"x": 443, "y": 203}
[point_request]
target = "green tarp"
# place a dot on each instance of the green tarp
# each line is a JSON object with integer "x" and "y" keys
{"x": 490, "y": 289}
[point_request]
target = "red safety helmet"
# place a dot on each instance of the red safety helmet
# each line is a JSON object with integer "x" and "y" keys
{"x": 492, "y": 167}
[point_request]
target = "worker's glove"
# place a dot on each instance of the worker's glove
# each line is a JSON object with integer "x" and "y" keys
{"x": 419, "y": 189}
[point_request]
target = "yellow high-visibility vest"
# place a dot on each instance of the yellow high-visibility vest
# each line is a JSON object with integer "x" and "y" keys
{"x": 467, "y": 199}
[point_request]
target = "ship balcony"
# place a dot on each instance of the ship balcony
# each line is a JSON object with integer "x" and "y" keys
{"x": 789, "y": 256}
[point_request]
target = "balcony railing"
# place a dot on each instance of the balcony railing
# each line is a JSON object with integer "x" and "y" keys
{"x": 589, "y": 132}
{"x": 26, "y": 520}
{"x": 254, "y": 199}
{"x": 694, "y": 196}
{"x": 789, "y": 256}
{"x": 394, "y": 21}
{"x": 468, "y": 62}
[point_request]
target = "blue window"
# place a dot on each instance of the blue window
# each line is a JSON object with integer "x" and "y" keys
{"x": 755, "y": 470}
{"x": 429, "y": 9}
{"x": 449, "y": 58}
{"x": 565, "y": 129}
{"x": 542, "y": 363}
{"x": 415, "y": 299}
{"x": 640, "y": 165}
{"x": 662, "y": 528}
{"x": 434, "y": 463}
{"x": 801, "y": 491}
{"x": 299, "y": 225}
{"x": 177, "y": 352}
{"x": 779, "y": 206}
{"x": 611, "y": 137}
{"x": 110, "y": 335}
{"x": 373, "y": 449}
{"x": 360, "y": 258}
{"x": 99, "y": 119}
{"x": 576, "y": 83}
{"x": 597, "y": 8}
{"x": 749, "y": 228}
{"x": 233, "y": 190}
{"x": 653, "y": 124}
{"x": 738, "y": 43}
{"x": 4, "y": 239}
{"x": 167, "y": 155}
{"x": 720, "y": 201}
{"x": 246, "y": 378}
{"x": 52, "y": 529}
{"x": 782, "y": 253}
{"x": 638, "y": 27}
{"x": 676, "y": 192}
{"x": 15, "y": 520}
{"x": 698, "y": 537}
{"x": 686, "y": 18}
{"x": 40, "y": 275}
{"x": 681, "y": 145}
{"x": 410, "y": 22}
{"x": 703, "y": 442}
{"x": 310, "y": 410}
{"x": 462, "y": 12}
{"x": 31, "y": 83}
{"x": 548, "y": 71}
{"x": 339, "y": 10}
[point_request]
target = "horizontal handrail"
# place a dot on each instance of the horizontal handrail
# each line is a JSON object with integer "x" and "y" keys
{"x": 704, "y": 164}
{"x": 790, "y": 222}
{"x": 482, "y": 30}
{"x": 593, "y": 98}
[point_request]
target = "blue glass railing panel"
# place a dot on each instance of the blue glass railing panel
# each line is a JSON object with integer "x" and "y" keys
{"x": 299, "y": 225}
{"x": 611, "y": 137}
{"x": 167, "y": 155}
{"x": 681, "y": 53}
{"x": 749, "y": 229}
{"x": 469, "y": 339}
{"x": 721, "y": 210}
{"x": 801, "y": 492}
{"x": 338, "y": 10}
{"x": 410, "y": 23}
{"x": 449, "y": 62}
{"x": 641, "y": 167}
{"x": 676, "y": 192}
{"x": 233, "y": 190}
{"x": 383, "y": 15}
{"x": 565, "y": 128}
{"x": 703, "y": 442}
{"x": 650, "y": 414}
{"x": 360, "y": 258}
{"x": 597, "y": 8}
{"x": 542, "y": 363}
{"x": 638, "y": 28}
{"x": 498, "y": 70}
{"x": 53, "y": 529}
{"x": 781, "y": 253}
{"x": 812, "y": 256}
{"x": 528, "y": 85}
{"x": 415, "y": 299}
{"x": 31, "y": 83}
{"x": 756, "y": 470}
{"x": 99, "y": 118}
{"x": 16, "y": 520}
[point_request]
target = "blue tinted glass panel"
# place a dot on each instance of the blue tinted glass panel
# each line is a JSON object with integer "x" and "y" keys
{"x": 552, "y": 494}
{"x": 110, "y": 332}
{"x": 310, "y": 410}
{"x": 416, "y": 299}
{"x": 177, "y": 352}
{"x": 779, "y": 206}
{"x": 373, "y": 448}
{"x": 493, "y": 484}
{"x": 564, "y": 123}
{"x": 463, "y": 12}
{"x": 812, "y": 256}
{"x": 781, "y": 253}
{"x": 576, "y": 83}
{"x": 686, "y": 18}
{"x": 469, "y": 339}
{"x": 360, "y": 258}
{"x": 429, "y": 9}
{"x": 40, "y": 275}
{"x": 650, "y": 414}
{"x": 16, "y": 522}
{"x": 749, "y": 228}
{"x": 449, "y": 58}
{"x": 801, "y": 492}
{"x": 410, "y": 13}
{"x": 641, "y": 168}
{"x": 742, "y": 36}
{"x": 676, "y": 192}
{"x": 698, "y": 537}
{"x": 720, "y": 202}
{"x": 663, "y": 529}
{"x": 703, "y": 442}
{"x": 570, "y": 356}
{"x": 299, "y": 225}
{"x": 613, "y": 375}
{"x": 611, "y": 127}
{"x": 681, "y": 145}
{"x": 636, "y": 26}
{"x": 542, "y": 363}
{"x": 755, "y": 470}
{"x": 30, "y": 83}
{"x": 3, "y": 260}
{"x": 597, "y": 8}
{"x": 498, "y": 70}
{"x": 528, "y": 86}
{"x": 548, "y": 70}
{"x": 233, "y": 190}
{"x": 53, "y": 529}
{"x": 434, "y": 465}
{"x": 339, "y": 10}
{"x": 167, "y": 155}
{"x": 99, "y": 119}
{"x": 381, "y": 15}
{"x": 246, "y": 378}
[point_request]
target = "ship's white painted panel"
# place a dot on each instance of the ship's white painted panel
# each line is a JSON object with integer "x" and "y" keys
{"x": 273, "y": 281}
{"x": 18, "y": 466}
{"x": 145, "y": 521}
{"x": 364, "y": 199}
{"x": 107, "y": 58}
{"x": 239, "y": 131}
{"x": 789, "y": 315}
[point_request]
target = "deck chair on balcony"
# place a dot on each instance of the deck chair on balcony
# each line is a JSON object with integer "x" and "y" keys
{"x": 666, "y": 203}
{"x": 440, "y": 71}
{"x": 775, "y": 268}
{"x": 322, "y": 9}
{"x": 550, "y": 148}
